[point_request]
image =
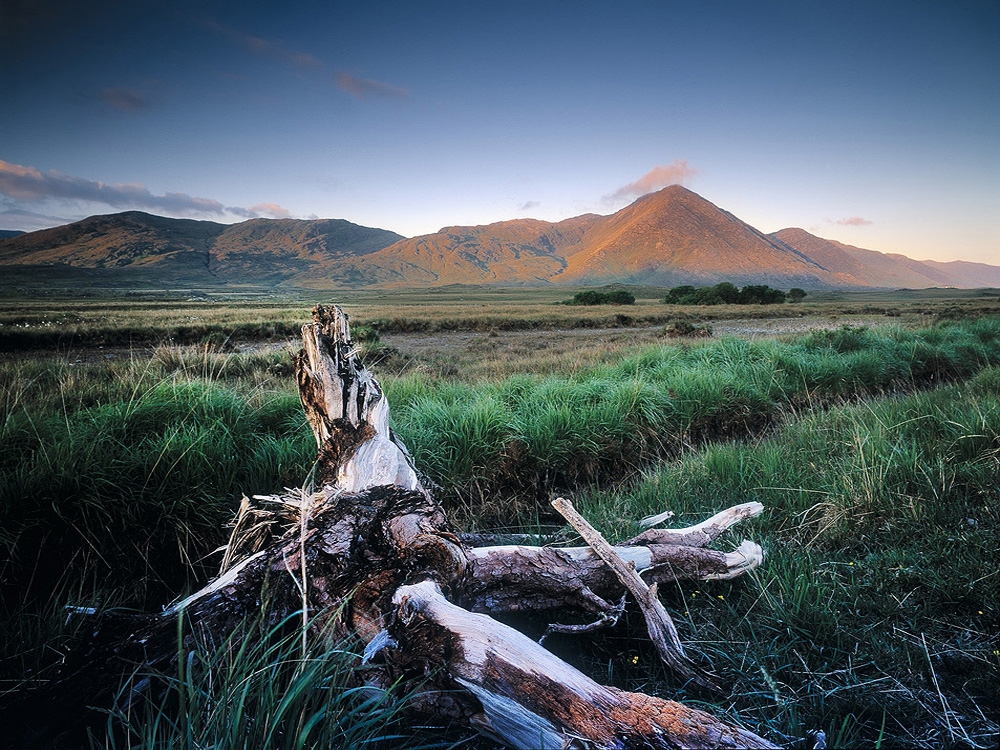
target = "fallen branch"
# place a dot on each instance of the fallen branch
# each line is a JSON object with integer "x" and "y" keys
{"x": 372, "y": 553}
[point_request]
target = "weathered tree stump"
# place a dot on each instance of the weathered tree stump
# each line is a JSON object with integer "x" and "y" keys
{"x": 370, "y": 553}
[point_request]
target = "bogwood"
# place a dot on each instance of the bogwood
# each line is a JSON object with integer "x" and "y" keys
{"x": 371, "y": 554}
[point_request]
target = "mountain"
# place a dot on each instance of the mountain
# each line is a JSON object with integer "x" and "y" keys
{"x": 966, "y": 274}
{"x": 8, "y": 233}
{"x": 258, "y": 250}
{"x": 522, "y": 251}
{"x": 278, "y": 249}
{"x": 675, "y": 236}
{"x": 666, "y": 238}
{"x": 855, "y": 266}
{"x": 131, "y": 238}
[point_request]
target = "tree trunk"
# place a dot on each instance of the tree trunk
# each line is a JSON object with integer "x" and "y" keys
{"x": 371, "y": 553}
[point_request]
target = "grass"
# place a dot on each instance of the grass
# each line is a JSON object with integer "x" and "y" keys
{"x": 528, "y": 435}
{"x": 258, "y": 689}
{"x": 875, "y": 450}
{"x": 114, "y": 464}
{"x": 114, "y": 319}
{"x": 875, "y": 616}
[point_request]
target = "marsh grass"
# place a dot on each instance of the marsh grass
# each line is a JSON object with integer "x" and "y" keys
{"x": 130, "y": 462}
{"x": 111, "y": 319}
{"x": 874, "y": 617}
{"x": 117, "y": 479}
{"x": 528, "y": 435}
{"x": 257, "y": 688}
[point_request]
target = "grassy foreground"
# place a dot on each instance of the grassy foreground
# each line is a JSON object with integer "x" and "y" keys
{"x": 874, "y": 618}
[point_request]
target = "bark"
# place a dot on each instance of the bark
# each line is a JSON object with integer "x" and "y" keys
{"x": 371, "y": 553}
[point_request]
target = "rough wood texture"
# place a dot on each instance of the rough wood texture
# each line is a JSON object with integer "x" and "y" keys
{"x": 373, "y": 550}
{"x": 531, "y": 698}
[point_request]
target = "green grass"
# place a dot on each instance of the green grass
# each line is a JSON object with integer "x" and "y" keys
{"x": 529, "y": 435}
{"x": 124, "y": 464}
{"x": 875, "y": 614}
{"x": 876, "y": 452}
{"x": 258, "y": 689}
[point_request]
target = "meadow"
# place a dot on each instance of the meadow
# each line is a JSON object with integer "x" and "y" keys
{"x": 867, "y": 424}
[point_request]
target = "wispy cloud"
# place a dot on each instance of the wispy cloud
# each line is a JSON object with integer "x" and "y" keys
{"x": 31, "y": 185}
{"x": 125, "y": 99}
{"x": 528, "y": 205}
{"x": 655, "y": 179}
{"x": 28, "y": 221}
{"x": 851, "y": 221}
{"x": 274, "y": 48}
{"x": 364, "y": 87}
{"x": 271, "y": 211}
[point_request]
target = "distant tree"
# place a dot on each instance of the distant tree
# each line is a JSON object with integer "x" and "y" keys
{"x": 619, "y": 297}
{"x": 796, "y": 295}
{"x": 759, "y": 294}
{"x": 588, "y": 297}
{"x": 591, "y": 297}
{"x": 680, "y": 295}
{"x": 727, "y": 293}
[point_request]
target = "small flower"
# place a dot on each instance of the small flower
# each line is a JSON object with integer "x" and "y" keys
{"x": 851, "y": 563}
{"x": 980, "y": 611}
{"x": 721, "y": 597}
{"x": 635, "y": 659}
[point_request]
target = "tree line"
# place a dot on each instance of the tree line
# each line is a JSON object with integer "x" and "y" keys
{"x": 727, "y": 293}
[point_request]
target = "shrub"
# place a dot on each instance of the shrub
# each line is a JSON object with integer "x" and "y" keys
{"x": 591, "y": 297}
{"x": 725, "y": 293}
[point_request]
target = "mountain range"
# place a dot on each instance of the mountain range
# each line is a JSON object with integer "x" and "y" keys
{"x": 666, "y": 238}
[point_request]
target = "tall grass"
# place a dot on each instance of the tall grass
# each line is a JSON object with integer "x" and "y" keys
{"x": 257, "y": 688}
{"x": 529, "y": 434}
{"x": 117, "y": 479}
{"x": 116, "y": 465}
{"x": 875, "y": 615}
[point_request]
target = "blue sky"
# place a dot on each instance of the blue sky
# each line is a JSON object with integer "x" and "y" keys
{"x": 873, "y": 123}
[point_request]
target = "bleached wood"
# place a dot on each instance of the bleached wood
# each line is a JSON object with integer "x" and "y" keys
{"x": 659, "y": 624}
{"x": 531, "y": 698}
{"x": 335, "y": 387}
{"x": 373, "y": 551}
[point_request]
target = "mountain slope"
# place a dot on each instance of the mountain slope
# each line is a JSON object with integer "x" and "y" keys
{"x": 132, "y": 238}
{"x": 277, "y": 249}
{"x": 258, "y": 250}
{"x": 676, "y": 236}
{"x": 855, "y": 266}
{"x": 966, "y": 274}
{"x": 521, "y": 251}
{"x": 670, "y": 237}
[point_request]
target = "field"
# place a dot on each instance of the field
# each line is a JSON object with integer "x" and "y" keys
{"x": 868, "y": 424}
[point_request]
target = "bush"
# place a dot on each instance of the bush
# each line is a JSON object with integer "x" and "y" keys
{"x": 590, "y": 297}
{"x": 726, "y": 293}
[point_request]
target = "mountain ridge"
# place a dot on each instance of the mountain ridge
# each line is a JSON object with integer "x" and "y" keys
{"x": 666, "y": 238}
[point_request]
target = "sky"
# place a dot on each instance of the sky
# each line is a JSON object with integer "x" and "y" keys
{"x": 872, "y": 123}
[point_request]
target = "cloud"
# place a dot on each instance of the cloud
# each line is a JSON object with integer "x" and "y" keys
{"x": 851, "y": 221}
{"x": 29, "y": 221}
{"x": 654, "y": 179}
{"x": 528, "y": 205}
{"x": 124, "y": 99}
{"x": 274, "y": 48}
{"x": 32, "y": 185}
{"x": 363, "y": 87}
{"x": 271, "y": 210}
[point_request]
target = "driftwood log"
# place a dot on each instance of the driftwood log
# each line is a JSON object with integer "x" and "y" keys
{"x": 370, "y": 553}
